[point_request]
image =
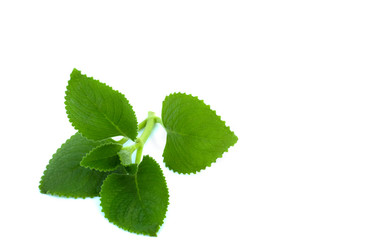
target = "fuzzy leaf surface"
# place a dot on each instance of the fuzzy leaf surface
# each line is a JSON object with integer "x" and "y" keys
{"x": 65, "y": 177}
{"x": 136, "y": 203}
{"x": 96, "y": 110}
{"x": 103, "y": 158}
{"x": 196, "y": 135}
{"x": 125, "y": 157}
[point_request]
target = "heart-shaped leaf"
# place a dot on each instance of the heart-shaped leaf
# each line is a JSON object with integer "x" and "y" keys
{"x": 196, "y": 136}
{"x": 136, "y": 203}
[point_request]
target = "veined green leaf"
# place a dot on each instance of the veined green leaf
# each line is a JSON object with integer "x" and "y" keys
{"x": 65, "y": 177}
{"x": 96, "y": 110}
{"x": 103, "y": 158}
{"x": 196, "y": 136}
{"x": 136, "y": 203}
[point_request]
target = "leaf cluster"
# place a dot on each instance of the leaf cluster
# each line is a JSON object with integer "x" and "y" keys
{"x": 134, "y": 194}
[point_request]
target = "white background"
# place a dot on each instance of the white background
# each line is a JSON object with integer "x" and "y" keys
{"x": 288, "y": 77}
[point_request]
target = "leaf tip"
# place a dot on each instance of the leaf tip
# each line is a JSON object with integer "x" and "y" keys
{"x": 86, "y": 97}
{"x": 75, "y": 71}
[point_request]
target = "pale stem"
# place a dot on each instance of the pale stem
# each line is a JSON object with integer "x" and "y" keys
{"x": 149, "y": 125}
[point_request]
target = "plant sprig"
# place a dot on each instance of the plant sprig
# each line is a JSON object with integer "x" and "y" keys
{"x": 134, "y": 194}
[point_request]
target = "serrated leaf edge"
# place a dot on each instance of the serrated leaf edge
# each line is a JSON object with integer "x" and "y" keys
{"x": 218, "y": 116}
{"x": 98, "y": 169}
{"x": 67, "y": 108}
{"x": 122, "y": 160}
{"x": 168, "y": 203}
{"x": 58, "y": 194}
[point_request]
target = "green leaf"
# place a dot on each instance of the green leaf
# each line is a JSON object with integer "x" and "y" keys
{"x": 96, "y": 110}
{"x": 125, "y": 156}
{"x": 131, "y": 168}
{"x": 103, "y": 158}
{"x": 65, "y": 177}
{"x": 136, "y": 203}
{"x": 196, "y": 136}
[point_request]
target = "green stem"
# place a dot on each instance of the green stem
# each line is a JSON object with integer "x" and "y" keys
{"x": 149, "y": 125}
{"x": 151, "y": 120}
{"x": 142, "y": 125}
{"x": 159, "y": 120}
{"x": 123, "y": 140}
{"x": 139, "y": 154}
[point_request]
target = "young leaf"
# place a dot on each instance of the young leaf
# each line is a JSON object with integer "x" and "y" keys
{"x": 65, "y": 177}
{"x": 125, "y": 157}
{"x": 103, "y": 158}
{"x": 96, "y": 110}
{"x": 196, "y": 136}
{"x": 136, "y": 203}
